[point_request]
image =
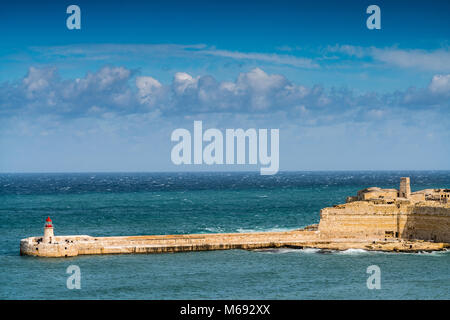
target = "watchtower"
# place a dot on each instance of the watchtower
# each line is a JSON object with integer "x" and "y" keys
{"x": 405, "y": 188}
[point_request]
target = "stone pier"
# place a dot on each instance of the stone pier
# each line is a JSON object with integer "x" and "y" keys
{"x": 375, "y": 219}
{"x": 69, "y": 246}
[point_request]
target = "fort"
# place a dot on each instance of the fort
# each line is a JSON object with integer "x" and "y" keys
{"x": 394, "y": 220}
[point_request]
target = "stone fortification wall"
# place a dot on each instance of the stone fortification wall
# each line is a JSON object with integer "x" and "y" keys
{"x": 367, "y": 220}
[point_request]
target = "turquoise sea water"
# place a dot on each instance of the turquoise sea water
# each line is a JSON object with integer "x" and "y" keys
{"x": 101, "y": 204}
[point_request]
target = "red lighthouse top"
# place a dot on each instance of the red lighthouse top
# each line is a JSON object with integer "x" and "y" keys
{"x": 48, "y": 223}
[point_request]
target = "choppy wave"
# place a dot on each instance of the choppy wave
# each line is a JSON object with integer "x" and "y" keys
{"x": 362, "y": 251}
{"x": 53, "y": 183}
{"x": 214, "y": 229}
{"x": 277, "y": 250}
{"x": 432, "y": 253}
{"x": 310, "y": 250}
{"x": 353, "y": 251}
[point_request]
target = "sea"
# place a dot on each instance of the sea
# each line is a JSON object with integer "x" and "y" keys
{"x": 121, "y": 204}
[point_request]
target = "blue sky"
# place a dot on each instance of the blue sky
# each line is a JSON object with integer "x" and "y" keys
{"x": 107, "y": 97}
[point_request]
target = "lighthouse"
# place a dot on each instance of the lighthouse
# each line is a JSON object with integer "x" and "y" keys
{"x": 48, "y": 231}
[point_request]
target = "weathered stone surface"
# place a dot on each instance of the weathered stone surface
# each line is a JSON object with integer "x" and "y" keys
{"x": 376, "y": 214}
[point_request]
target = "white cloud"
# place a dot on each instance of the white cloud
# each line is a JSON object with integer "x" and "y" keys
{"x": 432, "y": 60}
{"x": 182, "y": 81}
{"x": 104, "y": 79}
{"x": 37, "y": 80}
{"x": 265, "y": 57}
{"x": 108, "y": 52}
{"x": 148, "y": 88}
{"x": 111, "y": 92}
{"x": 438, "y": 60}
{"x": 440, "y": 84}
{"x": 104, "y": 115}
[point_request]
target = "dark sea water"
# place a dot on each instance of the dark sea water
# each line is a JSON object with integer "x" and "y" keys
{"x": 105, "y": 204}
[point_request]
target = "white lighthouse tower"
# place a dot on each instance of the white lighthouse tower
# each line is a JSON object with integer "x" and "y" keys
{"x": 48, "y": 231}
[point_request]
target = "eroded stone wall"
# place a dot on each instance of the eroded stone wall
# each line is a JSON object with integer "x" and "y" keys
{"x": 366, "y": 220}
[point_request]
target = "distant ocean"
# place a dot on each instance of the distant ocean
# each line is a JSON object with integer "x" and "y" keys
{"x": 107, "y": 204}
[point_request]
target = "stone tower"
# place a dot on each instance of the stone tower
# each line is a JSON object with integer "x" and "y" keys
{"x": 405, "y": 188}
{"x": 48, "y": 231}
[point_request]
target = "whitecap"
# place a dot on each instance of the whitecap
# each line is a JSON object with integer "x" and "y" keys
{"x": 353, "y": 251}
{"x": 310, "y": 250}
{"x": 214, "y": 229}
{"x": 433, "y": 253}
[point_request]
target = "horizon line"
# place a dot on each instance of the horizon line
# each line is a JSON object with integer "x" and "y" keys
{"x": 229, "y": 171}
